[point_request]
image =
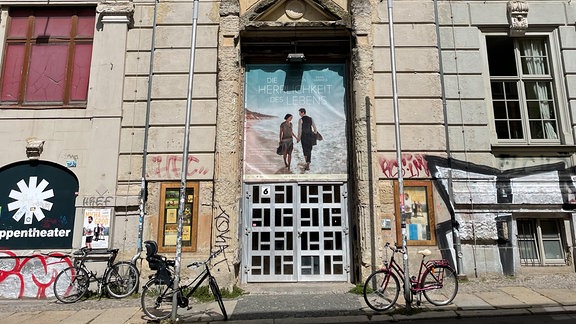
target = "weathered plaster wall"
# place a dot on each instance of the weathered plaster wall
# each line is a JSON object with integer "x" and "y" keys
{"x": 168, "y": 96}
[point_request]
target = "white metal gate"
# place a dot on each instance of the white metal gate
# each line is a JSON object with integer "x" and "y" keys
{"x": 296, "y": 232}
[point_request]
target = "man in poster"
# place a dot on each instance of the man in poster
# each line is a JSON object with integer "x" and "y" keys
{"x": 89, "y": 232}
{"x": 307, "y": 134}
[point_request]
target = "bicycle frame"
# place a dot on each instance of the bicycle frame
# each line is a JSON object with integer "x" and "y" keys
{"x": 204, "y": 274}
{"x": 93, "y": 275}
{"x": 120, "y": 279}
{"x": 159, "y": 291}
{"x": 198, "y": 280}
{"x": 436, "y": 281}
{"x": 416, "y": 285}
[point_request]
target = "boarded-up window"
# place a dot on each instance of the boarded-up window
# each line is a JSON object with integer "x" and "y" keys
{"x": 47, "y": 57}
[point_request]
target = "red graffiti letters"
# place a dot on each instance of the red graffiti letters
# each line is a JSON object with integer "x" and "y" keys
{"x": 170, "y": 165}
{"x": 413, "y": 166}
{"x": 29, "y": 276}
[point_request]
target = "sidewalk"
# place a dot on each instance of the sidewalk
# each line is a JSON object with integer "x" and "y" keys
{"x": 303, "y": 303}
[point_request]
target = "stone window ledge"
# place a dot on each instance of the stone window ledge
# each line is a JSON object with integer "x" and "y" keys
{"x": 532, "y": 150}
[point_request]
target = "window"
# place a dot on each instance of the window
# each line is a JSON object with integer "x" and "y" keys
{"x": 540, "y": 241}
{"x": 168, "y": 229}
{"x": 47, "y": 57}
{"x": 522, "y": 89}
{"x": 418, "y": 213}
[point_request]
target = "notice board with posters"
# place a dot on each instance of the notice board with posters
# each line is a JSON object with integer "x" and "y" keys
{"x": 168, "y": 227}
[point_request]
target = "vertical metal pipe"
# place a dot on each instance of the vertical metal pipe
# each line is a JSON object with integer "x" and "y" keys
{"x": 142, "y": 206}
{"x": 407, "y": 292}
{"x": 455, "y": 233}
{"x": 184, "y": 172}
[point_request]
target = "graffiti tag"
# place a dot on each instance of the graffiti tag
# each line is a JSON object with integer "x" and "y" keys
{"x": 413, "y": 166}
{"x": 30, "y": 276}
{"x": 222, "y": 223}
{"x": 170, "y": 166}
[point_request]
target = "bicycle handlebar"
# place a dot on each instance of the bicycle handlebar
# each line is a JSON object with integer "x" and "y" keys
{"x": 394, "y": 249}
{"x": 212, "y": 256}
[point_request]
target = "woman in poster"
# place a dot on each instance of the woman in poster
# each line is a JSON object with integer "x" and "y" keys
{"x": 307, "y": 134}
{"x": 286, "y": 135}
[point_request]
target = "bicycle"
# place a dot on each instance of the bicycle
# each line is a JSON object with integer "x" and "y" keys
{"x": 436, "y": 280}
{"x": 120, "y": 279}
{"x": 158, "y": 292}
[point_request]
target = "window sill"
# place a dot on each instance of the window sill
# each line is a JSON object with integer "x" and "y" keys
{"x": 532, "y": 150}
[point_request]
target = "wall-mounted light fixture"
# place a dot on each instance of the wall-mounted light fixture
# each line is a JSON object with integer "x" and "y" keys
{"x": 296, "y": 58}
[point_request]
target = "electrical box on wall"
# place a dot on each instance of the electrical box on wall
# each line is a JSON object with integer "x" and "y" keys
{"x": 386, "y": 224}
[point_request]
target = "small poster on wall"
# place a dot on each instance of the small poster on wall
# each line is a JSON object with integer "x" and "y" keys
{"x": 96, "y": 228}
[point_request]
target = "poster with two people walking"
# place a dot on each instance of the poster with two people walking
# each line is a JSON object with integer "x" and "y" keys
{"x": 295, "y": 122}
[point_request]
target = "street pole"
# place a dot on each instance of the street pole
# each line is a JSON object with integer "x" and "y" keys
{"x": 142, "y": 203}
{"x": 182, "y": 200}
{"x": 407, "y": 292}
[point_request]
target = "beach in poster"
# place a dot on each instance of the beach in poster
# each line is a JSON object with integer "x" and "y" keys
{"x": 274, "y": 90}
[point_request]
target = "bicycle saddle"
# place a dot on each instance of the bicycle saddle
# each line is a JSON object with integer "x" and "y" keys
{"x": 425, "y": 252}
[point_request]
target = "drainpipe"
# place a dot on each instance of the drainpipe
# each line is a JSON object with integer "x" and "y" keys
{"x": 455, "y": 235}
{"x": 184, "y": 173}
{"x": 142, "y": 206}
{"x": 407, "y": 292}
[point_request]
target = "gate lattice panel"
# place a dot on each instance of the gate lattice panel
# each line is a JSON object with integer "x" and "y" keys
{"x": 296, "y": 232}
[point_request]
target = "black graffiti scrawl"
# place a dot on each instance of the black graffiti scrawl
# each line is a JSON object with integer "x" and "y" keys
{"x": 37, "y": 206}
{"x": 495, "y": 194}
{"x": 482, "y": 185}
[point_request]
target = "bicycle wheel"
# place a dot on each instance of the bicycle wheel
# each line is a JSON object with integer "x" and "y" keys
{"x": 381, "y": 290}
{"x": 440, "y": 285}
{"x": 122, "y": 279}
{"x": 217, "y": 295}
{"x": 71, "y": 284}
{"x": 156, "y": 299}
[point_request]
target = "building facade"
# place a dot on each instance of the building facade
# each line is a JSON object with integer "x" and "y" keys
{"x": 95, "y": 97}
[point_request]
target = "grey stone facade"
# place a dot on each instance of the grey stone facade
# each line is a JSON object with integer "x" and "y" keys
{"x": 445, "y": 112}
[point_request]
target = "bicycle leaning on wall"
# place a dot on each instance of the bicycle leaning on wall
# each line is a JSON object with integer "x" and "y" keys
{"x": 158, "y": 292}
{"x": 120, "y": 279}
{"x": 436, "y": 280}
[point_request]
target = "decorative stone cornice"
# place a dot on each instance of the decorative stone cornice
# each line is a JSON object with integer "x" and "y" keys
{"x": 111, "y": 11}
{"x": 34, "y": 148}
{"x": 517, "y": 17}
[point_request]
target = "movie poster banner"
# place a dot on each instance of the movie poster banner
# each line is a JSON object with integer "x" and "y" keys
{"x": 97, "y": 227}
{"x": 276, "y": 92}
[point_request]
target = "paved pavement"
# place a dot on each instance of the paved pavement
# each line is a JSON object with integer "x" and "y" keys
{"x": 306, "y": 303}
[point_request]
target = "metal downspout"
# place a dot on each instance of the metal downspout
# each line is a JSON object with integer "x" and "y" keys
{"x": 184, "y": 172}
{"x": 407, "y": 292}
{"x": 455, "y": 235}
{"x": 142, "y": 206}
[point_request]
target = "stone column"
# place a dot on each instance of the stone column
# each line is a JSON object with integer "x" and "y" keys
{"x": 365, "y": 177}
{"x": 227, "y": 164}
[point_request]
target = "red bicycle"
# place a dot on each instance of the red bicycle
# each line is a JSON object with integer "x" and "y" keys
{"x": 436, "y": 280}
